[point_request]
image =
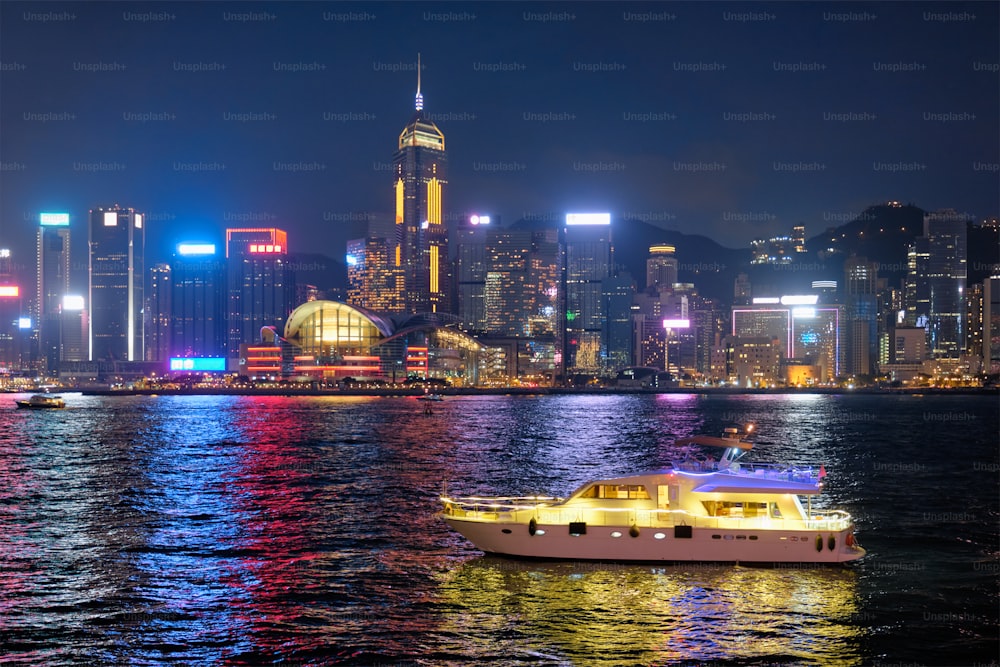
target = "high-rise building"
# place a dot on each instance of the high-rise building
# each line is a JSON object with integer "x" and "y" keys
{"x": 471, "y": 268}
{"x": 157, "y": 313}
{"x": 13, "y": 356}
{"x": 260, "y": 284}
{"x": 372, "y": 276}
{"x": 618, "y": 292}
{"x": 947, "y": 234}
{"x": 991, "y": 324}
{"x": 198, "y": 304}
{"x": 421, "y": 244}
{"x": 117, "y": 273}
{"x": 861, "y": 304}
{"x": 53, "y": 261}
{"x": 661, "y": 266}
{"x": 588, "y": 262}
{"x": 935, "y": 282}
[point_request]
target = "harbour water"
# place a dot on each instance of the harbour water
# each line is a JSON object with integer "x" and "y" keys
{"x": 229, "y": 530}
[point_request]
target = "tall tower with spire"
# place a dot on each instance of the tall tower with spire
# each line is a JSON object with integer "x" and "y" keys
{"x": 421, "y": 244}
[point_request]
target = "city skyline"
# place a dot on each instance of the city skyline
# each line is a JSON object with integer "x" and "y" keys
{"x": 651, "y": 120}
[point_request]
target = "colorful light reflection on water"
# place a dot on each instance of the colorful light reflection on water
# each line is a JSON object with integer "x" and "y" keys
{"x": 243, "y": 531}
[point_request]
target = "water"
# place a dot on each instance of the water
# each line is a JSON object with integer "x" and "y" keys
{"x": 213, "y": 530}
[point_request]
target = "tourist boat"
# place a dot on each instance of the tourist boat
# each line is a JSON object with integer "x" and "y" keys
{"x": 703, "y": 508}
{"x": 42, "y": 401}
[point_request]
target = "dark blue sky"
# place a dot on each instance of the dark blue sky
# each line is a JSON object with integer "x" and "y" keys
{"x": 736, "y": 120}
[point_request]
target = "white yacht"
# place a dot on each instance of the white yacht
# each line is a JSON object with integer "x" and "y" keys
{"x": 703, "y": 508}
{"x": 42, "y": 401}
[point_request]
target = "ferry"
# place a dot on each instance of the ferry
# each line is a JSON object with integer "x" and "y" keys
{"x": 703, "y": 508}
{"x": 42, "y": 401}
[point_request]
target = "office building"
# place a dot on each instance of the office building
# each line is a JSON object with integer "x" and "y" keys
{"x": 421, "y": 243}
{"x": 116, "y": 276}
{"x": 52, "y": 284}
{"x": 198, "y": 303}
{"x": 260, "y": 284}
{"x": 588, "y": 262}
{"x": 661, "y": 267}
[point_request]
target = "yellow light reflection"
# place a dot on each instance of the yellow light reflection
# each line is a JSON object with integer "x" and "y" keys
{"x": 602, "y": 613}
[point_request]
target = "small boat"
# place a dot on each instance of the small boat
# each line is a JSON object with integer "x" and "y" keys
{"x": 703, "y": 508}
{"x": 430, "y": 397}
{"x": 42, "y": 401}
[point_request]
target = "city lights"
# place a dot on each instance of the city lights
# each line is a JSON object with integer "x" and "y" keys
{"x": 195, "y": 249}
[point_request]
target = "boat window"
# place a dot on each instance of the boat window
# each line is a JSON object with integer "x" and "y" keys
{"x": 617, "y": 491}
{"x": 740, "y": 509}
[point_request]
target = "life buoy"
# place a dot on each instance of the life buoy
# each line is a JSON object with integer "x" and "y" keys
{"x": 532, "y": 527}
{"x": 849, "y": 540}
{"x": 819, "y": 543}
{"x": 634, "y": 530}
{"x": 831, "y": 543}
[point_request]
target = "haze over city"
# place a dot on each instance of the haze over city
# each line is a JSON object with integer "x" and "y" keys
{"x": 733, "y": 120}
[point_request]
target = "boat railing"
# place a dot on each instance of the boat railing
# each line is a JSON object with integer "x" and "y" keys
{"x": 544, "y": 510}
{"x": 806, "y": 474}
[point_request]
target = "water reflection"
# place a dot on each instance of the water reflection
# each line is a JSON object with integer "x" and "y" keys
{"x": 633, "y": 614}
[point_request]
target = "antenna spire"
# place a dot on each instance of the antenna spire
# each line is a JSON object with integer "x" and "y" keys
{"x": 420, "y": 98}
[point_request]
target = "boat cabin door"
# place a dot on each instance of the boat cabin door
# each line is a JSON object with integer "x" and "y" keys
{"x": 667, "y": 494}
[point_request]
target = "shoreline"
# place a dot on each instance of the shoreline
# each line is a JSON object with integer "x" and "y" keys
{"x": 528, "y": 391}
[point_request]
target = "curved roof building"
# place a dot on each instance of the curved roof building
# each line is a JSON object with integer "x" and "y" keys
{"x": 332, "y": 340}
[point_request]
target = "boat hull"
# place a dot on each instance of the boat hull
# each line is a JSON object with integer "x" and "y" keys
{"x": 667, "y": 544}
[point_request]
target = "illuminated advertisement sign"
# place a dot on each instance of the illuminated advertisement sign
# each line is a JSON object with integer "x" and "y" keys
{"x": 61, "y": 219}
{"x": 197, "y": 364}
{"x": 766, "y": 299}
{"x": 10, "y": 291}
{"x": 110, "y": 219}
{"x": 24, "y": 323}
{"x": 72, "y": 302}
{"x": 676, "y": 324}
{"x": 196, "y": 249}
{"x": 479, "y": 219}
{"x": 799, "y": 299}
{"x": 352, "y": 260}
{"x": 588, "y": 218}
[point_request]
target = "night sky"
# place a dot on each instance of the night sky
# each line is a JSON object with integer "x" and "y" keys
{"x": 732, "y": 120}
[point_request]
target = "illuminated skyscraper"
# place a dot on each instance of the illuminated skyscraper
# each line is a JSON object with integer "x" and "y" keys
{"x": 421, "y": 244}
{"x": 52, "y": 283}
{"x": 861, "y": 281}
{"x": 947, "y": 233}
{"x": 11, "y": 309}
{"x": 198, "y": 302}
{"x": 117, "y": 271}
{"x": 588, "y": 263}
{"x": 261, "y": 286}
{"x": 661, "y": 267}
{"x": 157, "y": 313}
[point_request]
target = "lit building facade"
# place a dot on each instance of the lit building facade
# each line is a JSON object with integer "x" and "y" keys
{"x": 472, "y": 264}
{"x": 804, "y": 329}
{"x": 198, "y": 302}
{"x": 861, "y": 306}
{"x": 421, "y": 243}
{"x": 947, "y": 235}
{"x": 588, "y": 262}
{"x": 329, "y": 341}
{"x": 260, "y": 284}
{"x": 991, "y": 324}
{"x": 116, "y": 280}
{"x": 53, "y": 262}
{"x": 661, "y": 266}
{"x": 374, "y": 280}
{"x": 157, "y": 313}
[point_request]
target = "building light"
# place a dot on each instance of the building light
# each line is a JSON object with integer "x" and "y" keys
{"x": 588, "y": 218}
{"x": 72, "y": 302}
{"x": 196, "y": 249}
{"x": 10, "y": 291}
{"x": 60, "y": 219}
{"x": 799, "y": 299}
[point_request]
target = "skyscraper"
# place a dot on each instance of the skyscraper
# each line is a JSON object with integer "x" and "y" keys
{"x": 52, "y": 284}
{"x": 946, "y": 232}
{"x": 861, "y": 281}
{"x": 589, "y": 260}
{"x": 116, "y": 268}
{"x": 421, "y": 244}
{"x": 661, "y": 267}
{"x": 198, "y": 302}
{"x": 261, "y": 286}
{"x": 371, "y": 276}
